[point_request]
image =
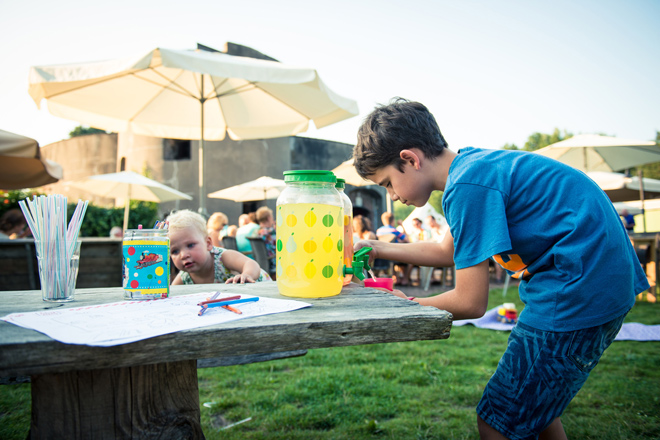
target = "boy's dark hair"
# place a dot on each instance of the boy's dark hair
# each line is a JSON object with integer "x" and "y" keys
{"x": 400, "y": 125}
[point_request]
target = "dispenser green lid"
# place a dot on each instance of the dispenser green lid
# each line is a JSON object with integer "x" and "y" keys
{"x": 309, "y": 176}
{"x": 341, "y": 183}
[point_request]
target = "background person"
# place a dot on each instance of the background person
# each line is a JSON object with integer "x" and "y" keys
{"x": 13, "y": 225}
{"x": 267, "y": 232}
{"x": 399, "y": 237}
{"x": 217, "y": 227}
{"x": 628, "y": 221}
{"x": 249, "y": 229}
{"x": 116, "y": 232}
{"x": 362, "y": 230}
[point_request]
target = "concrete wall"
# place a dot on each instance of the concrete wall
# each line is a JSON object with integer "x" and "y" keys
{"x": 227, "y": 163}
{"x": 80, "y": 157}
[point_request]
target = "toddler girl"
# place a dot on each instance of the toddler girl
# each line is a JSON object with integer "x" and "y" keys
{"x": 199, "y": 261}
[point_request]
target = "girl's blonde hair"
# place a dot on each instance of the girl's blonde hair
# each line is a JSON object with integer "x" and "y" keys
{"x": 185, "y": 219}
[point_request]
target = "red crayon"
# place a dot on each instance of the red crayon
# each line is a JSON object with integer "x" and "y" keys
{"x": 211, "y": 301}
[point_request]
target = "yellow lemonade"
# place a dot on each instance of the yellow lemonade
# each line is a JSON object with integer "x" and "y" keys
{"x": 348, "y": 247}
{"x": 310, "y": 249}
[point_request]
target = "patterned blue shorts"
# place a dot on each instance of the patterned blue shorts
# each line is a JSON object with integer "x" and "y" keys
{"x": 539, "y": 374}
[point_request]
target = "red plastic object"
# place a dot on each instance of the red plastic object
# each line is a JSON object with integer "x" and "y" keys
{"x": 385, "y": 283}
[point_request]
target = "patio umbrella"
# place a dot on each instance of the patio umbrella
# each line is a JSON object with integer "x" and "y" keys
{"x": 186, "y": 94}
{"x": 260, "y": 189}
{"x": 347, "y": 172}
{"x": 21, "y": 164}
{"x": 128, "y": 185}
{"x": 592, "y": 152}
{"x": 621, "y": 188}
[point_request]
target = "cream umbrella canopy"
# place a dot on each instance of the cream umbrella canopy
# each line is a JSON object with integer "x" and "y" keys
{"x": 186, "y": 94}
{"x": 21, "y": 164}
{"x": 260, "y": 189}
{"x": 128, "y": 185}
{"x": 347, "y": 172}
{"x": 621, "y": 188}
{"x": 592, "y": 152}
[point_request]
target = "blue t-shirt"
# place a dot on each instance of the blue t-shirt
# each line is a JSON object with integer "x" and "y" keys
{"x": 551, "y": 227}
{"x": 242, "y": 233}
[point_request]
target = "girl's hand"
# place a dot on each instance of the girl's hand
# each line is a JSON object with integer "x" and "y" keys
{"x": 240, "y": 279}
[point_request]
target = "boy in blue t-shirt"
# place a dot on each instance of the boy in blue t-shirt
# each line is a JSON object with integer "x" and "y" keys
{"x": 545, "y": 223}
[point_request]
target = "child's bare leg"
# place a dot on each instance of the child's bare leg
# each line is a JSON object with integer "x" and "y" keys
{"x": 487, "y": 432}
{"x": 555, "y": 431}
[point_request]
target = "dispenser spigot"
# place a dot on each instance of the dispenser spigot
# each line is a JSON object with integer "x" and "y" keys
{"x": 360, "y": 263}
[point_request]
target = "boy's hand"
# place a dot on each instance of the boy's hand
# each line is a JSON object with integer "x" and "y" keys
{"x": 394, "y": 292}
{"x": 373, "y": 244}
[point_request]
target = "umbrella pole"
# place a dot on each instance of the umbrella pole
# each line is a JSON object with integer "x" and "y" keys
{"x": 641, "y": 195}
{"x": 127, "y": 207}
{"x": 202, "y": 188}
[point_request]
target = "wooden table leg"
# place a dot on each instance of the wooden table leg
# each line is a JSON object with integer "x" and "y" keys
{"x": 149, "y": 401}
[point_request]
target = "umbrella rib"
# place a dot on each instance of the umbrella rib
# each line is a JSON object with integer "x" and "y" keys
{"x": 251, "y": 86}
{"x": 171, "y": 84}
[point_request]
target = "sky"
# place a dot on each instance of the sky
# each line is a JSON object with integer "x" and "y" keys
{"x": 492, "y": 73}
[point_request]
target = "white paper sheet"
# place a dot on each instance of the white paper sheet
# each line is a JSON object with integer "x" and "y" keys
{"x": 122, "y": 322}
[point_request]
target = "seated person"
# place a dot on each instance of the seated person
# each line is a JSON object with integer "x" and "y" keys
{"x": 388, "y": 228}
{"x": 267, "y": 232}
{"x": 418, "y": 232}
{"x": 116, "y": 232}
{"x": 437, "y": 230}
{"x": 199, "y": 261}
{"x": 217, "y": 227}
{"x": 399, "y": 237}
{"x": 247, "y": 227}
{"x": 13, "y": 225}
{"x": 361, "y": 229}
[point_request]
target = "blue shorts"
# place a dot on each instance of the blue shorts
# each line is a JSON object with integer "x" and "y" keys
{"x": 539, "y": 374}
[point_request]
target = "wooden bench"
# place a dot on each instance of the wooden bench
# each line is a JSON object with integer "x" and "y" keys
{"x": 100, "y": 264}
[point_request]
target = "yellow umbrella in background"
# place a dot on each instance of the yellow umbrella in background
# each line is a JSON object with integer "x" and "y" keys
{"x": 21, "y": 164}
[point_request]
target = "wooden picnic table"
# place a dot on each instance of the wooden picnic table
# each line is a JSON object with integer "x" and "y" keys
{"x": 148, "y": 389}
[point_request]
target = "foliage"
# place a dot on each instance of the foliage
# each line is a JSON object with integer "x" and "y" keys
{"x": 82, "y": 131}
{"x": 407, "y": 390}
{"x": 651, "y": 170}
{"x": 401, "y": 211}
{"x": 538, "y": 140}
{"x": 98, "y": 220}
{"x": 9, "y": 199}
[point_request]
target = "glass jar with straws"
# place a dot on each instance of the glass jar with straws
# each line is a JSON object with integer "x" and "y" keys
{"x": 56, "y": 244}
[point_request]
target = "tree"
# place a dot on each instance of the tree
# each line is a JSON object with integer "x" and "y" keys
{"x": 538, "y": 140}
{"x": 82, "y": 131}
{"x": 651, "y": 170}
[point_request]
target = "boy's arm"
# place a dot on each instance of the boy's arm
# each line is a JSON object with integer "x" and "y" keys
{"x": 428, "y": 254}
{"x": 469, "y": 299}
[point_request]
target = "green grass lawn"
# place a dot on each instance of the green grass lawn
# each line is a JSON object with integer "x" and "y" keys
{"x": 412, "y": 390}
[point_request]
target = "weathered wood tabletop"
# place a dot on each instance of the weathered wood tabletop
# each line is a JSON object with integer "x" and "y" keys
{"x": 149, "y": 388}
